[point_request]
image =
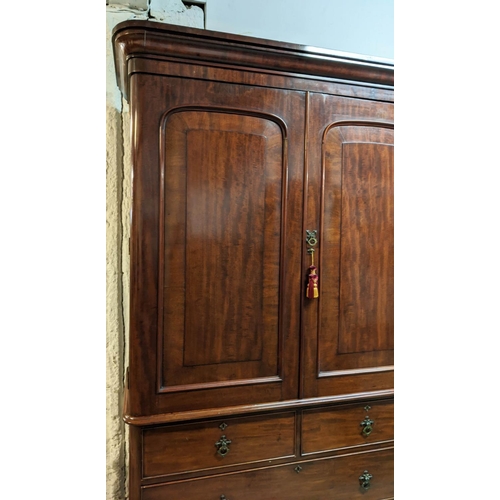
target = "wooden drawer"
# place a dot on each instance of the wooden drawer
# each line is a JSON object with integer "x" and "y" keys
{"x": 328, "y": 429}
{"x": 191, "y": 447}
{"x": 333, "y": 478}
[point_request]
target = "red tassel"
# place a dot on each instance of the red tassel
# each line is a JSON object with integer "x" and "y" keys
{"x": 312, "y": 287}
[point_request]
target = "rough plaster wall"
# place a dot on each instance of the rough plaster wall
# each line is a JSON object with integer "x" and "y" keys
{"x": 117, "y": 198}
{"x": 175, "y": 12}
{"x": 118, "y": 201}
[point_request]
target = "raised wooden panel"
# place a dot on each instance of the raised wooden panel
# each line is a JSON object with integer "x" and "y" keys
{"x": 226, "y": 233}
{"x": 366, "y": 302}
{"x": 223, "y": 217}
{"x": 356, "y": 325}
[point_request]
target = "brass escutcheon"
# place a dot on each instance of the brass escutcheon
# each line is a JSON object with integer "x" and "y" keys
{"x": 311, "y": 237}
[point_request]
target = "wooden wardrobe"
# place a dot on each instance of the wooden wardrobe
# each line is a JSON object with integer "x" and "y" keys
{"x": 253, "y": 375}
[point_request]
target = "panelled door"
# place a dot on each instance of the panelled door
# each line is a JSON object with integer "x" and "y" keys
{"x": 227, "y": 178}
{"x": 348, "y": 344}
{"x": 217, "y": 226}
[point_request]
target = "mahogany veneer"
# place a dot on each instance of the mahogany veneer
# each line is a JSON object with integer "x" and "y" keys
{"x": 338, "y": 427}
{"x": 239, "y": 386}
{"x": 253, "y": 440}
{"x": 336, "y": 478}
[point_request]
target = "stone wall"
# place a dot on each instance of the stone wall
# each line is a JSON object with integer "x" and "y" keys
{"x": 118, "y": 192}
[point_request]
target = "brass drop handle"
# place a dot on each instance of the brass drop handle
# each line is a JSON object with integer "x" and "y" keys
{"x": 364, "y": 480}
{"x": 367, "y": 426}
{"x": 223, "y": 446}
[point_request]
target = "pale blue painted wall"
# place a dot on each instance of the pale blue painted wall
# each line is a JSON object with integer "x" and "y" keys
{"x": 359, "y": 26}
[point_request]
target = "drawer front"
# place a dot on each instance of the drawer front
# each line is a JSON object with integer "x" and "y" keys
{"x": 207, "y": 445}
{"x": 329, "y": 429}
{"x": 367, "y": 476}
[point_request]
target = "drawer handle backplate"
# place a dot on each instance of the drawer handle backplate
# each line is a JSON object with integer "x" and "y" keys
{"x": 367, "y": 425}
{"x": 364, "y": 480}
{"x": 223, "y": 446}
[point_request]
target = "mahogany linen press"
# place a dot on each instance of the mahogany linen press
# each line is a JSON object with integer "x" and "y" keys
{"x": 261, "y": 279}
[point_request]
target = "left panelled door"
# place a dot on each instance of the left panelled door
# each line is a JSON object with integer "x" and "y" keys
{"x": 216, "y": 242}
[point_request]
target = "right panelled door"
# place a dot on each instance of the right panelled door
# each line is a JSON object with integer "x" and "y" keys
{"x": 348, "y": 331}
